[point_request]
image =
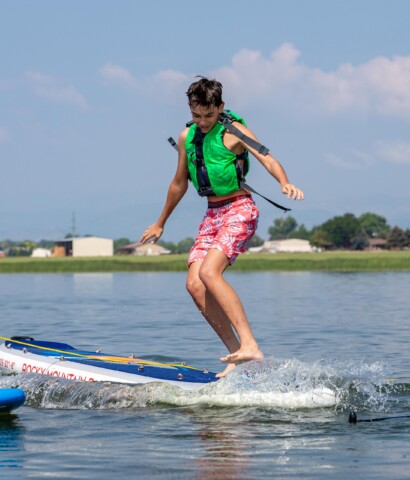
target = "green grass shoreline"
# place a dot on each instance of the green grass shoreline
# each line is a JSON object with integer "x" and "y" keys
{"x": 282, "y": 262}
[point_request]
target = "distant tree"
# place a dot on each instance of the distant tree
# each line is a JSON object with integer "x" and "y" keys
{"x": 184, "y": 246}
{"x": 397, "y": 239}
{"x": 5, "y": 246}
{"x": 374, "y": 225}
{"x": 121, "y": 242}
{"x": 360, "y": 241}
{"x": 171, "y": 246}
{"x": 407, "y": 233}
{"x": 17, "y": 252}
{"x": 46, "y": 243}
{"x": 282, "y": 228}
{"x": 320, "y": 238}
{"x": 341, "y": 230}
{"x": 301, "y": 232}
{"x": 21, "y": 249}
{"x": 255, "y": 241}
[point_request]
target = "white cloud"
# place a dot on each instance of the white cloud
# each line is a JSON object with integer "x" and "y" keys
{"x": 338, "y": 161}
{"x": 380, "y": 86}
{"x": 118, "y": 75}
{"x": 172, "y": 77}
{"x": 169, "y": 84}
{"x": 48, "y": 87}
{"x": 397, "y": 151}
{"x": 251, "y": 77}
{"x": 352, "y": 160}
{"x": 4, "y": 134}
{"x": 166, "y": 85}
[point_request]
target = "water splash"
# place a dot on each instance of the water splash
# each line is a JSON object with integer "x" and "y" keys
{"x": 288, "y": 384}
{"x": 365, "y": 386}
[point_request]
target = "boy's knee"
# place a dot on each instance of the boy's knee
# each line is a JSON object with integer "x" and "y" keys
{"x": 194, "y": 286}
{"x": 206, "y": 274}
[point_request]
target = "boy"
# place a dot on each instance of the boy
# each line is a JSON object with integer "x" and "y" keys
{"x": 216, "y": 161}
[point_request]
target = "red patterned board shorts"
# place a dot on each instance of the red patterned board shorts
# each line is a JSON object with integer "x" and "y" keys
{"x": 226, "y": 226}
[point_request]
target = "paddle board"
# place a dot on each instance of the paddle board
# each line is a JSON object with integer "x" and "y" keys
{"x": 10, "y": 399}
{"x": 26, "y": 355}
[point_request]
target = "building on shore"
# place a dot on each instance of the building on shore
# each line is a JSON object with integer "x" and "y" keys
{"x": 376, "y": 244}
{"x": 144, "y": 249}
{"x": 84, "y": 247}
{"x": 289, "y": 245}
{"x": 41, "y": 253}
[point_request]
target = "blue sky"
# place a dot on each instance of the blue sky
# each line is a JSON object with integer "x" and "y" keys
{"x": 90, "y": 91}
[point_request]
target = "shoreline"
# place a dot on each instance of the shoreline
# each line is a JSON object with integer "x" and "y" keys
{"x": 338, "y": 261}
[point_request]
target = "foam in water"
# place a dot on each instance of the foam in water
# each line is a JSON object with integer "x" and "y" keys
{"x": 267, "y": 384}
{"x": 271, "y": 384}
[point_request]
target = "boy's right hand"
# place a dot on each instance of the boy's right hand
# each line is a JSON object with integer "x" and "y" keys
{"x": 152, "y": 234}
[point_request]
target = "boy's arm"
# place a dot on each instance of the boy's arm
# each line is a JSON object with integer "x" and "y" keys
{"x": 272, "y": 165}
{"x": 176, "y": 191}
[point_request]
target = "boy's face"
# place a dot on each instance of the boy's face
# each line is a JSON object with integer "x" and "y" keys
{"x": 206, "y": 117}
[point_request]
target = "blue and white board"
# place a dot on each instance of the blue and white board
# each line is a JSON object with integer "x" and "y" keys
{"x": 26, "y": 355}
{"x": 11, "y": 398}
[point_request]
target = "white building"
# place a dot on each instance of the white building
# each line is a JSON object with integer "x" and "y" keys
{"x": 290, "y": 245}
{"x": 41, "y": 253}
{"x": 84, "y": 247}
{"x": 146, "y": 249}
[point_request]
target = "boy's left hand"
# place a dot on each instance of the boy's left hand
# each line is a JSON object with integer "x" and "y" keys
{"x": 292, "y": 191}
{"x": 152, "y": 234}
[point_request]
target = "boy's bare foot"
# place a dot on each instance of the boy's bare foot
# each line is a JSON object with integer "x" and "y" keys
{"x": 228, "y": 369}
{"x": 243, "y": 355}
{"x": 240, "y": 356}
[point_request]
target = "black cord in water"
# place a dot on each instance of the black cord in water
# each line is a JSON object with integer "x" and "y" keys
{"x": 353, "y": 418}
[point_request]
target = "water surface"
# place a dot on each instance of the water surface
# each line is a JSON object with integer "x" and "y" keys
{"x": 347, "y": 331}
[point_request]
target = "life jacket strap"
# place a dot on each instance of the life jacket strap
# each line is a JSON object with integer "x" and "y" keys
{"x": 227, "y": 119}
{"x": 202, "y": 177}
{"x": 277, "y": 205}
{"x": 173, "y": 143}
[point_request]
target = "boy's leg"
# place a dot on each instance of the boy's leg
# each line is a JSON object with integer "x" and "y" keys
{"x": 210, "y": 309}
{"x": 210, "y": 273}
{"x": 222, "y": 236}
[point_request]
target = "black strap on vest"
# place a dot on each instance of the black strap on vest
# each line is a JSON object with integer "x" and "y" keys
{"x": 227, "y": 119}
{"x": 248, "y": 187}
{"x": 205, "y": 188}
{"x": 173, "y": 143}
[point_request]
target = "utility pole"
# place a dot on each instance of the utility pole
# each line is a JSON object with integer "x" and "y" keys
{"x": 73, "y": 225}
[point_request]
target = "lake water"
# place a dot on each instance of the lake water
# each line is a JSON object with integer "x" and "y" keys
{"x": 346, "y": 331}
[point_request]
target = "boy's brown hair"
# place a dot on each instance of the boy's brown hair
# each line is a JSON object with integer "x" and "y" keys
{"x": 205, "y": 93}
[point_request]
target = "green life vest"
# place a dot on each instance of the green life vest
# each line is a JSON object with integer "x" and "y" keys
{"x": 219, "y": 160}
{"x": 213, "y": 168}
